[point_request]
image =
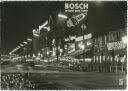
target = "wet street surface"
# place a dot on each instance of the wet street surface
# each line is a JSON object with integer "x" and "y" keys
{"x": 56, "y": 79}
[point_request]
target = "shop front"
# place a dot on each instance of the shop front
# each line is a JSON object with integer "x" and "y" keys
{"x": 109, "y": 52}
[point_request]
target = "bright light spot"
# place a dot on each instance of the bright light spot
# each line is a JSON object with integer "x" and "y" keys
{"x": 41, "y": 26}
{"x": 37, "y": 58}
{"x": 25, "y": 42}
{"x": 72, "y": 37}
{"x": 39, "y": 54}
{"x": 36, "y": 35}
{"x": 53, "y": 41}
{"x": 124, "y": 39}
{"x": 34, "y": 31}
{"x": 53, "y": 54}
{"x": 62, "y": 16}
{"x": 81, "y": 45}
{"x": 48, "y": 28}
{"x": 10, "y": 53}
{"x": 47, "y": 52}
{"x": 88, "y": 59}
{"x": 29, "y": 39}
{"x": 61, "y": 50}
{"x": 33, "y": 55}
{"x": 45, "y": 60}
{"x": 89, "y": 43}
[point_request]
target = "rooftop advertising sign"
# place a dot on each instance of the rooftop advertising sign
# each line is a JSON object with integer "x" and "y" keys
{"x": 80, "y": 11}
{"x": 76, "y": 7}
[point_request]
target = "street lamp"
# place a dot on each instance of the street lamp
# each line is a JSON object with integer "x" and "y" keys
{"x": 62, "y": 16}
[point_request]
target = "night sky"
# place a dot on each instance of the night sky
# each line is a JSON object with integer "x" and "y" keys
{"x": 20, "y": 18}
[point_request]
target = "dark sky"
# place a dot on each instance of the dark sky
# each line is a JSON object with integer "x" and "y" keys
{"x": 20, "y": 18}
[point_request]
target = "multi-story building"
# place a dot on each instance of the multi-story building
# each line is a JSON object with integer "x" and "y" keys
{"x": 110, "y": 49}
{"x": 40, "y": 41}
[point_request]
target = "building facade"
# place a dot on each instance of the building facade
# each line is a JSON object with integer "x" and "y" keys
{"x": 110, "y": 51}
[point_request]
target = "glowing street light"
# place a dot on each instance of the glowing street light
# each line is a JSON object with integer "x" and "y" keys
{"x": 62, "y": 16}
{"x": 29, "y": 39}
{"x": 36, "y": 35}
{"x": 25, "y": 42}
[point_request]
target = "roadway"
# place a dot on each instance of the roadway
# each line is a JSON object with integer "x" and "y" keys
{"x": 73, "y": 80}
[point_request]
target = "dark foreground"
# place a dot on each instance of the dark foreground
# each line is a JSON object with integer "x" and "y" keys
{"x": 63, "y": 81}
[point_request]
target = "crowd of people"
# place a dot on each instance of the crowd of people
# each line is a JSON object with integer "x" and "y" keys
{"x": 12, "y": 81}
{"x": 88, "y": 66}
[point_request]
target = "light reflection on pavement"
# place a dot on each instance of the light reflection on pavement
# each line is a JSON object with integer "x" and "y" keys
{"x": 46, "y": 78}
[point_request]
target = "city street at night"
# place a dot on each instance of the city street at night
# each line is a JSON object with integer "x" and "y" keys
{"x": 49, "y": 78}
{"x": 74, "y": 80}
{"x": 63, "y": 45}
